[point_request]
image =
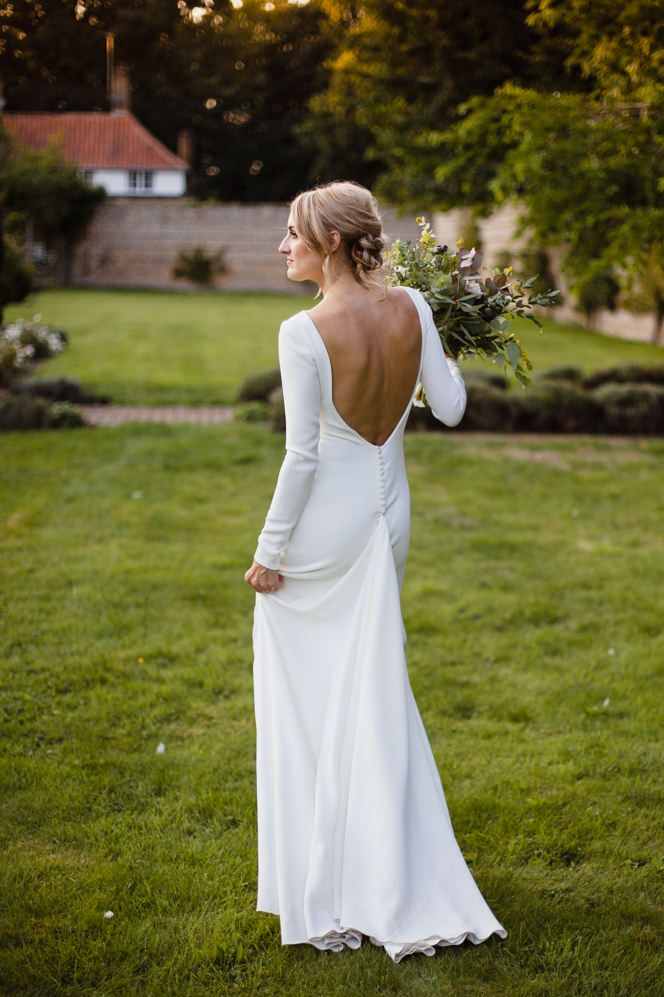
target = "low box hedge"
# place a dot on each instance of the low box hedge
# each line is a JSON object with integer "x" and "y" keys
{"x": 561, "y": 400}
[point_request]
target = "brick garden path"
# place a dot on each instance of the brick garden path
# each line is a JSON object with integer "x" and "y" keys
{"x": 115, "y": 415}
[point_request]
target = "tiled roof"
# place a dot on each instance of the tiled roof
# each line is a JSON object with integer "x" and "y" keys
{"x": 96, "y": 139}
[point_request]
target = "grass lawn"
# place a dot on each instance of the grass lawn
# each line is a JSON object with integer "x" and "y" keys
{"x": 157, "y": 347}
{"x": 533, "y": 607}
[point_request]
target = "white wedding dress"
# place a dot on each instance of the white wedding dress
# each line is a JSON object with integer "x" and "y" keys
{"x": 354, "y": 834}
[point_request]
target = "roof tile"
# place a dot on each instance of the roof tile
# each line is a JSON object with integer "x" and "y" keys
{"x": 96, "y": 139}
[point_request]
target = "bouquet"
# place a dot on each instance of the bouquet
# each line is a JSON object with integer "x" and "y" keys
{"x": 472, "y": 312}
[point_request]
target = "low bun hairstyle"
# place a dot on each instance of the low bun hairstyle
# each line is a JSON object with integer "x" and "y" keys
{"x": 350, "y": 209}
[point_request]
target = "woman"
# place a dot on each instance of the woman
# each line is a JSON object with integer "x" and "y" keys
{"x": 354, "y": 835}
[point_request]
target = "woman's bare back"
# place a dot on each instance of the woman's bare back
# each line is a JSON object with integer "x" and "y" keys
{"x": 374, "y": 348}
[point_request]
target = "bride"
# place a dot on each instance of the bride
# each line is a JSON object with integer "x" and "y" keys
{"x": 354, "y": 834}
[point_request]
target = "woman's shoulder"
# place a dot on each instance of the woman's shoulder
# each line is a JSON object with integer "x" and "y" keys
{"x": 298, "y": 324}
{"x": 297, "y": 335}
{"x": 412, "y": 292}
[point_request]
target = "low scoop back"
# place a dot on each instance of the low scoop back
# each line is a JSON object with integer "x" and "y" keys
{"x": 375, "y": 360}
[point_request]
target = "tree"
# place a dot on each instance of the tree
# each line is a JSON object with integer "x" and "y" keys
{"x": 238, "y": 78}
{"x": 43, "y": 188}
{"x": 400, "y": 70}
{"x": 584, "y": 167}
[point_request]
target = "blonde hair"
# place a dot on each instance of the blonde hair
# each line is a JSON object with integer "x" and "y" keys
{"x": 352, "y": 210}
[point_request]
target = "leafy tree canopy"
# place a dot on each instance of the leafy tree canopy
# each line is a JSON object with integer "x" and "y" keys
{"x": 237, "y": 74}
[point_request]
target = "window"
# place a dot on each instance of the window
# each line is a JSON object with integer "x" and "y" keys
{"x": 86, "y": 174}
{"x": 140, "y": 180}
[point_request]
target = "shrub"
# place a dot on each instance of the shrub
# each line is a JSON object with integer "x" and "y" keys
{"x": 23, "y": 413}
{"x": 28, "y": 412}
{"x": 471, "y": 376}
{"x": 632, "y": 408}
{"x": 488, "y": 408}
{"x": 13, "y": 359}
{"x": 626, "y": 374}
{"x": 59, "y": 389}
{"x": 257, "y": 387}
{"x": 557, "y": 408}
{"x": 65, "y": 416}
{"x": 569, "y": 375}
{"x": 45, "y": 340}
{"x": 26, "y": 340}
{"x": 16, "y": 273}
{"x": 276, "y": 410}
{"x": 251, "y": 412}
{"x": 200, "y": 267}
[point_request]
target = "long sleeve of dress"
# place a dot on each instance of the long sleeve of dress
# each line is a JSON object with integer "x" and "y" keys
{"x": 441, "y": 377}
{"x": 301, "y": 388}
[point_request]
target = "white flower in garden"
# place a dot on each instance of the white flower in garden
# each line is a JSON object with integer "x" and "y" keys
{"x": 109, "y": 914}
{"x": 606, "y": 702}
{"x": 161, "y": 748}
{"x": 473, "y": 286}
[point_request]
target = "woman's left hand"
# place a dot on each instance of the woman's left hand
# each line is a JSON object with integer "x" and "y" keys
{"x": 263, "y": 579}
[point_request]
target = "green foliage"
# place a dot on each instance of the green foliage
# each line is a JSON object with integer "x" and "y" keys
{"x": 238, "y": 78}
{"x": 65, "y": 416}
{"x": 31, "y": 412}
{"x": 23, "y": 412}
{"x": 277, "y": 411}
{"x": 472, "y": 313}
{"x": 632, "y": 408}
{"x": 257, "y": 387}
{"x": 599, "y": 289}
{"x": 40, "y": 184}
{"x": 251, "y": 412}
{"x": 553, "y": 407}
{"x": 565, "y": 373}
{"x": 16, "y": 274}
{"x": 23, "y": 341}
{"x": 200, "y": 266}
{"x": 645, "y": 289}
{"x": 626, "y": 374}
{"x": 585, "y": 173}
{"x": 58, "y": 389}
{"x": 534, "y": 260}
{"x": 126, "y": 622}
{"x": 628, "y": 400}
{"x": 398, "y": 73}
{"x": 617, "y": 46}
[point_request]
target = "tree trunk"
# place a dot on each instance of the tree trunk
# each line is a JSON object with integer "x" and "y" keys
{"x": 657, "y": 327}
{"x": 2, "y": 261}
{"x": 659, "y": 319}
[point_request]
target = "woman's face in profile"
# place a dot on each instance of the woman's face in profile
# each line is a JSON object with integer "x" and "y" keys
{"x": 301, "y": 263}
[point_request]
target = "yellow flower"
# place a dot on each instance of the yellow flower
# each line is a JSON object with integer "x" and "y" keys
{"x": 140, "y": 661}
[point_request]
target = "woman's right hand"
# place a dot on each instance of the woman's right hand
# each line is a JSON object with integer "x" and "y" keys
{"x": 263, "y": 579}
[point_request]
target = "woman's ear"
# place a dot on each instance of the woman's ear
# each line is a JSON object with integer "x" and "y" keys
{"x": 335, "y": 240}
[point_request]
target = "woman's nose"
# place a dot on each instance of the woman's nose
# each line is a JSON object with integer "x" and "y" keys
{"x": 283, "y": 246}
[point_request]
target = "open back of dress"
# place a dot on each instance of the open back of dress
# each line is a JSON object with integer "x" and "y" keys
{"x": 354, "y": 834}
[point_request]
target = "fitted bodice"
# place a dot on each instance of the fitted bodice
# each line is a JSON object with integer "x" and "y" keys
{"x": 325, "y": 456}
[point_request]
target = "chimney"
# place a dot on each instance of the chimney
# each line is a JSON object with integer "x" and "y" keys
{"x": 121, "y": 91}
{"x": 186, "y": 145}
